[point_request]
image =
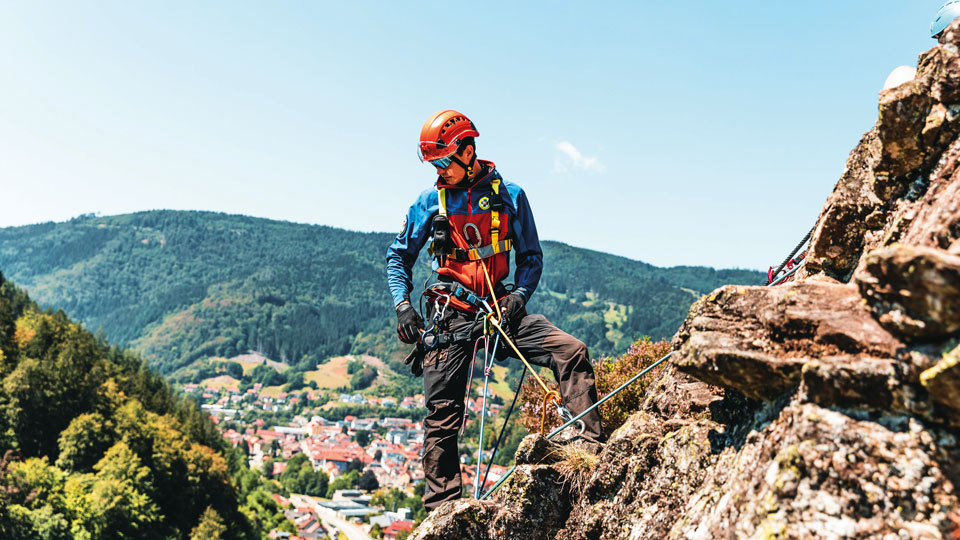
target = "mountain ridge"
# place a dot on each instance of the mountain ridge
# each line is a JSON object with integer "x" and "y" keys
{"x": 183, "y": 285}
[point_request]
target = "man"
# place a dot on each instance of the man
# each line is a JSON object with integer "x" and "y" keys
{"x": 474, "y": 219}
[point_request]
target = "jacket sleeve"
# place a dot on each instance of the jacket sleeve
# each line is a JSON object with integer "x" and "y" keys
{"x": 403, "y": 252}
{"x": 526, "y": 245}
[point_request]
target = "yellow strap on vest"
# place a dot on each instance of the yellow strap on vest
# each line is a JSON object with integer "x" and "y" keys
{"x": 495, "y": 216}
{"x": 442, "y": 194}
{"x": 476, "y": 254}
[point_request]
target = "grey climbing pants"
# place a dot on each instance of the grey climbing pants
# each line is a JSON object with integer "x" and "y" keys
{"x": 445, "y": 373}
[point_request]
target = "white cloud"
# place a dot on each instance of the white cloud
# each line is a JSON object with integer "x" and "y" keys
{"x": 571, "y": 157}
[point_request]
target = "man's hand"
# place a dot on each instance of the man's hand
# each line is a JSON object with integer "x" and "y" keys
{"x": 409, "y": 323}
{"x": 512, "y": 306}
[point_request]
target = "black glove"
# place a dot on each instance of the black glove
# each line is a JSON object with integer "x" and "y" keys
{"x": 512, "y": 306}
{"x": 409, "y": 323}
{"x": 414, "y": 361}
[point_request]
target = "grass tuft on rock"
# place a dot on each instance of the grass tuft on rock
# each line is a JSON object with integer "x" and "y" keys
{"x": 576, "y": 465}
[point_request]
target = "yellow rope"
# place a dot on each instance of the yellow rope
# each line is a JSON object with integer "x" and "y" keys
{"x": 517, "y": 351}
{"x": 549, "y": 396}
{"x": 496, "y": 301}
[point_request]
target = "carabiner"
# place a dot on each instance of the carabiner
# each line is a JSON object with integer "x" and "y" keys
{"x": 567, "y": 416}
{"x": 430, "y": 337}
{"x": 467, "y": 228}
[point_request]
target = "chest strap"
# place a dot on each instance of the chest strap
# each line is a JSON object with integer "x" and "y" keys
{"x": 484, "y": 252}
{"x": 442, "y": 247}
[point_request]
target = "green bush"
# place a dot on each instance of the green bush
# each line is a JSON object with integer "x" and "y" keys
{"x": 610, "y": 373}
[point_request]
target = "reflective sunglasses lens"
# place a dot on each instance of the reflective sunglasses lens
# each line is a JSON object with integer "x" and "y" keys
{"x": 441, "y": 163}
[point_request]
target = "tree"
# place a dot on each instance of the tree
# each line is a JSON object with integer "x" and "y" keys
{"x": 84, "y": 442}
{"x": 346, "y": 481}
{"x": 233, "y": 369}
{"x": 211, "y": 526}
{"x": 362, "y": 437}
{"x": 368, "y": 482}
{"x": 378, "y": 455}
{"x": 267, "y": 468}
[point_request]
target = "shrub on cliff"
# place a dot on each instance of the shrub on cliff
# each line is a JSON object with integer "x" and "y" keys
{"x": 610, "y": 373}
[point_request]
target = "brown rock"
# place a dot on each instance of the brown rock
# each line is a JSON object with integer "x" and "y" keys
{"x": 913, "y": 291}
{"x": 532, "y": 504}
{"x": 536, "y": 449}
{"x": 943, "y": 382}
{"x": 818, "y": 473}
{"x": 851, "y": 382}
{"x": 757, "y": 339}
{"x": 838, "y": 237}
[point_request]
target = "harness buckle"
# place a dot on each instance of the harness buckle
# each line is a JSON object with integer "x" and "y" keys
{"x": 430, "y": 337}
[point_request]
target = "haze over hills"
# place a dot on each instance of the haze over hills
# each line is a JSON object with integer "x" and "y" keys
{"x": 181, "y": 286}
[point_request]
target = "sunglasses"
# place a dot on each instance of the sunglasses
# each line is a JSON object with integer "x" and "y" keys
{"x": 441, "y": 163}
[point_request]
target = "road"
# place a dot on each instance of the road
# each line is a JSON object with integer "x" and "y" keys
{"x": 328, "y": 516}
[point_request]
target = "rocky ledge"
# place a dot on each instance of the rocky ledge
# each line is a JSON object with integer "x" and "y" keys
{"x": 828, "y": 407}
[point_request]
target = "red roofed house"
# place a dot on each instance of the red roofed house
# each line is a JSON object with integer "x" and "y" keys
{"x": 281, "y": 501}
{"x": 312, "y": 530}
{"x": 395, "y": 528}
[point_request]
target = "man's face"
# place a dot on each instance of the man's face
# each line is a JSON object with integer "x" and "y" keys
{"x": 454, "y": 173}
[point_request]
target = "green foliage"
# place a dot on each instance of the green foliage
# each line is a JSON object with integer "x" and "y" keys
{"x": 235, "y": 370}
{"x": 104, "y": 447}
{"x": 613, "y": 372}
{"x": 347, "y": 480}
{"x": 266, "y": 376}
{"x": 363, "y": 437}
{"x": 211, "y": 527}
{"x": 610, "y": 374}
{"x": 363, "y": 378}
{"x": 368, "y": 481}
{"x": 184, "y": 286}
{"x": 393, "y": 499}
{"x": 338, "y": 413}
{"x": 300, "y": 477}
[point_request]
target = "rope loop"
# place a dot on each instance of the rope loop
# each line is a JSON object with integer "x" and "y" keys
{"x": 551, "y": 396}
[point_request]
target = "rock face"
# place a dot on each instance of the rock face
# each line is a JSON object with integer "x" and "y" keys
{"x": 828, "y": 407}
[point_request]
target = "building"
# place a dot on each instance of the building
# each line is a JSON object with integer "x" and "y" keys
{"x": 395, "y": 528}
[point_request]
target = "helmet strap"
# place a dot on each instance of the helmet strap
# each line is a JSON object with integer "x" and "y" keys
{"x": 468, "y": 167}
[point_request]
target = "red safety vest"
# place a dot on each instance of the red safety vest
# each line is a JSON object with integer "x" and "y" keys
{"x": 479, "y": 238}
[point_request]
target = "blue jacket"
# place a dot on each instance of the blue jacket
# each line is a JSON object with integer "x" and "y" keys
{"x": 403, "y": 252}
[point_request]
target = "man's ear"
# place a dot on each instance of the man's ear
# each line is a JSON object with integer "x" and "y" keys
{"x": 468, "y": 153}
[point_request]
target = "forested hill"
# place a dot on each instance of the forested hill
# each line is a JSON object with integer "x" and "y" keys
{"x": 94, "y": 445}
{"x": 179, "y": 286}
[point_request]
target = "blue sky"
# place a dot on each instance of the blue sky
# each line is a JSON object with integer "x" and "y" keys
{"x": 692, "y": 132}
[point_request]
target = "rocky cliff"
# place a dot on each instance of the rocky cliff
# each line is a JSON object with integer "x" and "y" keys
{"x": 828, "y": 407}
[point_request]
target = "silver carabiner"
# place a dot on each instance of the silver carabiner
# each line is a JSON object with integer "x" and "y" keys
{"x": 568, "y": 416}
{"x": 440, "y": 311}
{"x": 466, "y": 234}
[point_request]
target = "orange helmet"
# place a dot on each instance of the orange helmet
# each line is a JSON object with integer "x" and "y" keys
{"x": 442, "y": 134}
